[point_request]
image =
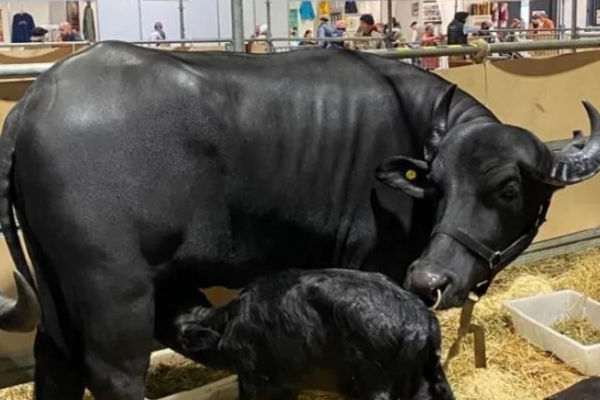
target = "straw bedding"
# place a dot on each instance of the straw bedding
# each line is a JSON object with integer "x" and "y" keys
{"x": 516, "y": 369}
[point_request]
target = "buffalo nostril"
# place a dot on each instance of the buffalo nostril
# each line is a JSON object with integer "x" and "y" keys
{"x": 428, "y": 285}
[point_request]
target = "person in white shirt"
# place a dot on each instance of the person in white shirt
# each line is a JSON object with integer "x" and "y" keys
{"x": 415, "y": 37}
{"x": 158, "y": 34}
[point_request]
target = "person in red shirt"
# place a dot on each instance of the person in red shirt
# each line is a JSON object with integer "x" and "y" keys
{"x": 430, "y": 38}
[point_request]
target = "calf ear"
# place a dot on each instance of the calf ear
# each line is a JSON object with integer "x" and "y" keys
{"x": 406, "y": 174}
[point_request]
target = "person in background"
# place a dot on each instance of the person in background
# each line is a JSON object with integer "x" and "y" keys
{"x": 516, "y": 33}
{"x": 339, "y": 32}
{"x": 261, "y": 45}
{"x": 429, "y": 39}
{"x": 38, "y": 34}
{"x": 414, "y": 34}
{"x": 307, "y": 39}
{"x": 396, "y": 34}
{"x": 546, "y": 26}
{"x": 67, "y": 34}
{"x": 545, "y": 22}
{"x": 458, "y": 29}
{"x": 487, "y": 32}
{"x": 294, "y": 34}
{"x": 324, "y": 31}
{"x": 379, "y": 28}
{"x": 256, "y": 32}
{"x": 367, "y": 29}
{"x": 158, "y": 34}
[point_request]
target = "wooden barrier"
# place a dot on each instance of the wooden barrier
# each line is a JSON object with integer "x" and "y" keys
{"x": 544, "y": 97}
{"x": 39, "y": 55}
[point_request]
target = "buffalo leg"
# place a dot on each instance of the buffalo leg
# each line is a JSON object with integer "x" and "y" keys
{"x": 55, "y": 376}
{"x": 119, "y": 335}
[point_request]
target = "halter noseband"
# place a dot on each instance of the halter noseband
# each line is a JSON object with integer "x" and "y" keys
{"x": 499, "y": 259}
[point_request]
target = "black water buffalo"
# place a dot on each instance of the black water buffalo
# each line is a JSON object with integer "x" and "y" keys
{"x": 352, "y": 332}
{"x": 139, "y": 176}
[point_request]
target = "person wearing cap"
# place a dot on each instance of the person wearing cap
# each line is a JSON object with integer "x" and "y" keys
{"x": 324, "y": 31}
{"x": 339, "y": 32}
{"x": 38, "y": 34}
{"x": 367, "y": 29}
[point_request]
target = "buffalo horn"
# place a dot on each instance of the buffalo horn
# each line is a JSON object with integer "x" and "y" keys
{"x": 578, "y": 161}
{"x": 23, "y": 314}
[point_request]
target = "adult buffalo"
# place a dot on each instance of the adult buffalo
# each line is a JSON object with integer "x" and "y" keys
{"x": 139, "y": 176}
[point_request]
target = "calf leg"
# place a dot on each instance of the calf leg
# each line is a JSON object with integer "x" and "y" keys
{"x": 435, "y": 385}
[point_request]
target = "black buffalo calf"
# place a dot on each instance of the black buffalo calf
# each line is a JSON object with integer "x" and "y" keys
{"x": 351, "y": 332}
{"x": 588, "y": 389}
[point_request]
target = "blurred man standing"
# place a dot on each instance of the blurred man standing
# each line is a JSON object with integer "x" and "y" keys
{"x": 367, "y": 29}
{"x": 67, "y": 34}
{"x": 324, "y": 31}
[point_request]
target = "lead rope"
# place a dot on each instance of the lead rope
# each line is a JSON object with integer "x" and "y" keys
{"x": 464, "y": 329}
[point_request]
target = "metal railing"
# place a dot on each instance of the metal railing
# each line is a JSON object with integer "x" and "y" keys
{"x": 477, "y": 51}
{"x": 525, "y": 43}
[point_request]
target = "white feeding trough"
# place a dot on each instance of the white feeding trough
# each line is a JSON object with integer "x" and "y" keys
{"x": 533, "y": 318}
{"x": 224, "y": 389}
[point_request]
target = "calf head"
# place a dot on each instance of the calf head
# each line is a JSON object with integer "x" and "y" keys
{"x": 491, "y": 184}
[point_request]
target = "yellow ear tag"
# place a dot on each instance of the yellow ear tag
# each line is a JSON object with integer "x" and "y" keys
{"x": 411, "y": 175}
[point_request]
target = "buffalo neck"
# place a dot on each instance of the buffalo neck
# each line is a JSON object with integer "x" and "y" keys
{"x": 419, "y": 92}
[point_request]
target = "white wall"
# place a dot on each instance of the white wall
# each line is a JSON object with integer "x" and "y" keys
{"x": 39, "y": 10}
{"x": 581, "y": 13}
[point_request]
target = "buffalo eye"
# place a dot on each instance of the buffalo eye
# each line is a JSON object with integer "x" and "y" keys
{"x": 510, "y": 192}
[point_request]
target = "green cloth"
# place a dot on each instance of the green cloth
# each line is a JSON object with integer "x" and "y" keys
{"x": 89, "y": 25}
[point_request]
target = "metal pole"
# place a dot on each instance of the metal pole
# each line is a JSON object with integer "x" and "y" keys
{"x": 218, "y": 19}
{"x": 389, "y": 32}
{"x": 574, "y": 34}
{"x": 237, "y": 25}
{"x": 140, "y": 19}
{"x": 181, "y": 21}
{"x": 14, "y": 70}
{"x": 269, "y": 41}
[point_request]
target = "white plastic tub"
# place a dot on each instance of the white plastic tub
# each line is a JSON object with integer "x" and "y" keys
{"x": 533, "y": 316}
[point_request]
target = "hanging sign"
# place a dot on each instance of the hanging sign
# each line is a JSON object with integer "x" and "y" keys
{"x": 415, "y": 8}
{"x": 293, "y": 18}
{"x": 352, "y": 23}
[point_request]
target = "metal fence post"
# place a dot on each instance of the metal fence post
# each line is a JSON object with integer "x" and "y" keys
{"x": 269, "y": 31}
{"x": 181, "y": 20}
{"x": 237, "y": 25}
{"x": 574, "y": 21}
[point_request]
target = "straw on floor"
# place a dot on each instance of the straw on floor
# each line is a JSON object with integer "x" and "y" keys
{"x": 516, "y": 369}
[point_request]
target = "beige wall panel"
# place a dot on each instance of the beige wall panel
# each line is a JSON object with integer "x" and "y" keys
{"x": 544, "y": 96}
{"x": 34, "y": 56}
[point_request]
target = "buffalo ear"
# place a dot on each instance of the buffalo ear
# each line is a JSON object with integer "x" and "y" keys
{"x": 406, "y": 174}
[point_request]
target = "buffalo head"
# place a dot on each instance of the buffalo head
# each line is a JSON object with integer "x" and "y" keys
{"x": 491, "y": 184}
